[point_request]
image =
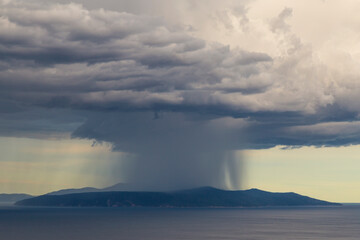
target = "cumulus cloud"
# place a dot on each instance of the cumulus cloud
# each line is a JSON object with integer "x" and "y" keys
{"x": 69, "y": 56}
{"x": 63, "y": 44}
{"x": 155, "y": 87}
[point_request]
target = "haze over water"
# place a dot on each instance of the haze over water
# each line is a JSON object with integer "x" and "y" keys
{"x": 318, "y": 223}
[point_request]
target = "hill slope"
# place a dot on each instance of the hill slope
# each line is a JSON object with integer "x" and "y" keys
{"x": 200, "y": 197}
{"x": 114, "y": 188}
{"x": 74, "y": 190}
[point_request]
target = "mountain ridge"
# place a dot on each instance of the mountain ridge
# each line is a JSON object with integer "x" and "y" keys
{"x": 198, "y": 197}
{"x": 116, "y": 187}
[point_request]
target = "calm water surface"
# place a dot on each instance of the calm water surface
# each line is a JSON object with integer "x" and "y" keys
{"x": 18, "y": 223}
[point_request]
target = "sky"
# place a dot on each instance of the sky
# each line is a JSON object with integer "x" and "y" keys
{"x": 178, "y": 94}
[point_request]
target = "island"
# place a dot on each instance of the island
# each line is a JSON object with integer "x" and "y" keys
{"x": 199, "y": 197}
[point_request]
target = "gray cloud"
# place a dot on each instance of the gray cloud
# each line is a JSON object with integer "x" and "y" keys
{"x": 70, "y": 57}
{"x": 134, "y": 64}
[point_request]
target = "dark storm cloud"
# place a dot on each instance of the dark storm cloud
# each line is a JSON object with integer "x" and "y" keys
{"x": 91, "y": 59}
{"x": 71, "y": 34}
{"x": 109, "y": 65}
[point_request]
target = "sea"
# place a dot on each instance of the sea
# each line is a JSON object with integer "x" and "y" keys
{"x": 272, "y": 223}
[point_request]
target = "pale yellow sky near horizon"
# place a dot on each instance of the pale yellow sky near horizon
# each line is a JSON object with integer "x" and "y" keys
{"x": 38, "y": 166}
{"x": 329, "y": 173}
